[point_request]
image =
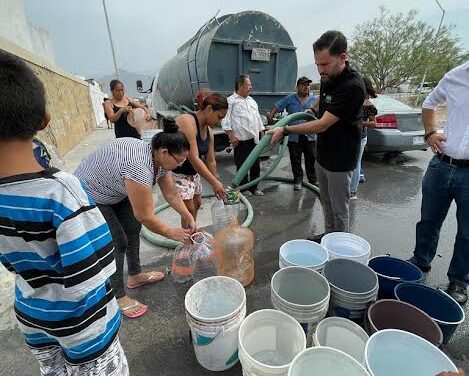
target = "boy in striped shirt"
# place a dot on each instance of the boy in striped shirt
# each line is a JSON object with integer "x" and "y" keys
{"x": 54, "y": 238}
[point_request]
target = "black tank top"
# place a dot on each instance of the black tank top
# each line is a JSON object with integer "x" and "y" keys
{"x": 202, "y": 145}
{"x": 121, "y": 127}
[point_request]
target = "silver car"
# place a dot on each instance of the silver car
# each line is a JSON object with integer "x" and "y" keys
{"x": 399, "y": 127}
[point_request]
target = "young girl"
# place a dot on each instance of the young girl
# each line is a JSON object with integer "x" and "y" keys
{"x": 201, "y": 160}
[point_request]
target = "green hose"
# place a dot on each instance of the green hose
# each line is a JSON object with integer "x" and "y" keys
{"x": 162, "y": 241}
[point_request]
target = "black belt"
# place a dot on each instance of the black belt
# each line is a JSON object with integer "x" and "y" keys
{"x": 453, "y": 161}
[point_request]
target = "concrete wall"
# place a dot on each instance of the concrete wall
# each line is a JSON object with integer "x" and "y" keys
{"x": 15, "y": 27}
{"x": 68, "y": 101}
{"x": 97, "y": 99}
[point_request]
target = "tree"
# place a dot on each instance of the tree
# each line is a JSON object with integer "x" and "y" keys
{"x": 395, "y": 48}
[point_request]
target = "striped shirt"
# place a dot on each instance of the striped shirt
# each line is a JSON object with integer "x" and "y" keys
{"x": 104, "y": 171}
{"x": 54, "y": 238}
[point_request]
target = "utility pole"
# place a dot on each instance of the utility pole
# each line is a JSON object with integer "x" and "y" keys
{"x": 110, "y": 40}
{"x": 436, "y": 40}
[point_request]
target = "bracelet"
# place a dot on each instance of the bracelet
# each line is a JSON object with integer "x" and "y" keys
{"x": 427, "y": 136}
{"x": 285, "y": 130}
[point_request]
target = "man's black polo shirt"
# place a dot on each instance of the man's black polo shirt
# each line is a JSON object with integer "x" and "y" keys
{"x": 338, "y": 146}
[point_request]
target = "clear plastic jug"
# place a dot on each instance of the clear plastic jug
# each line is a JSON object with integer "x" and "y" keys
{"x": 223, "y": 214}
{"x": 235, "y": 246}
{"x": 181, "y": 266}
{"x": 203, "y": 258}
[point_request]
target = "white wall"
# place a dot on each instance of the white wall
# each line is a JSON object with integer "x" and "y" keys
{"x": 42, "y": 44}
{"x": 97, "y": 98}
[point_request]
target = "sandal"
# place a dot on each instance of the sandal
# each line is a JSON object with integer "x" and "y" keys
{"x": 152, "y": 278}
{"x": 137, "y": 313}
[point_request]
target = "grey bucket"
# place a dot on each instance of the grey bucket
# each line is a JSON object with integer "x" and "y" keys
{"x": 354, "y": 286}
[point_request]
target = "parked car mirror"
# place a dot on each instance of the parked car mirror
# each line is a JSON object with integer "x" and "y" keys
{"x": 139, "y": 86}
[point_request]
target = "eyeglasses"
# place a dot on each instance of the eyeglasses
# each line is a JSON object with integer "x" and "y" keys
{"x": 180, "y": 163}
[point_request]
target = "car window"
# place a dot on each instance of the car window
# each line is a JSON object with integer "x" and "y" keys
{"x": 384, "y": 103}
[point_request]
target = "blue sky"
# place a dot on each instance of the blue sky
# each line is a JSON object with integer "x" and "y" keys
{"x": 146, "y": 33}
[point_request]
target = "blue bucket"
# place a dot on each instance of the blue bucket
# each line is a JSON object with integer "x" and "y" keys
{"x": 441, "y": 307}
{"x": 391, "y": 271}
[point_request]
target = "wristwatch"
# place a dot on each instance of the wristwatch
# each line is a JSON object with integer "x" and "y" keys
{"x": 285, "y": 130}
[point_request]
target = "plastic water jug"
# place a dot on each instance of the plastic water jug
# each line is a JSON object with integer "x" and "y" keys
{"x": 181, "y": 266}
{"x": 203, "y": 259}
{"x": 223, "y": 214}
{"x": 234, "y": 246}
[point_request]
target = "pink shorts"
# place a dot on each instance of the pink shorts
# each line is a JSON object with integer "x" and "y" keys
{"x": 188, "y": 185}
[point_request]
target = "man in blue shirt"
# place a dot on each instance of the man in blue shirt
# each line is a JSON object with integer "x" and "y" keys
{"x": 299, "y": 144}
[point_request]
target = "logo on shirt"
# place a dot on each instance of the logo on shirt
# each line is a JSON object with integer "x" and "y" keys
{"x": 328, "y": 99}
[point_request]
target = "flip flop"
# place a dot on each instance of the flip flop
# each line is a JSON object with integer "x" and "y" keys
{"x": 153, "y": 278}
{"x": 135, "y": 314}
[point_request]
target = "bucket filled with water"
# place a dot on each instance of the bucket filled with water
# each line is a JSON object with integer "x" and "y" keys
{"x": 394, "y": 314}
{"x": 354, "y": 286}
{"x": 441, "y": 307}
{"x": 326, "y": 361}
{"x": 391, "y": 271}
{"x": 342, "y": 334}
{"x": 305, "y": 253}
{"x": 346, "y": 246}
{"x": 269, "y": 340}
{"x": 393, "y": 352}
{"x": 300, "y": 292}
{"x": 215, "y": 309}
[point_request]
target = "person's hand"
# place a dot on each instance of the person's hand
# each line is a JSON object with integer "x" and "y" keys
{"x": 178, "y": 234}
{"x": 191, "y": 225}
{"x": 436, "y": 142}
{"x": 270, "y": 119}
{"x": 219, "y": 190}
{"x": 277, "y": 135}
{"x": 459, "y": 373}
{"x": 127, "y": 109}
{"x": 234, "y": 141}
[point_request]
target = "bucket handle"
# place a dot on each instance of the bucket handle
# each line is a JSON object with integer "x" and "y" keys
{"x": 387, "y": 276}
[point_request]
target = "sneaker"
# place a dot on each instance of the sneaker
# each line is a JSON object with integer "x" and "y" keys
{"x": 316, "y": 238}
{"x": 353, "y": 196}
{"x": 247, "y": 194}
{"x": 458, "y": 291}
{"x": 297, "y": 187}
{"x": 258, "y": 192}
{"x": 425, "y": 268}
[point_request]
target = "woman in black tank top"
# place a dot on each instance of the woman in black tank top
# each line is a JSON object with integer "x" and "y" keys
{"x": 118, "y": 108}
{"x": 201, "y": 160}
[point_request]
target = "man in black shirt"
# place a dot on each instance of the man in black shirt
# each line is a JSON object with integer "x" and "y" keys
{"x": 338, "y": 128}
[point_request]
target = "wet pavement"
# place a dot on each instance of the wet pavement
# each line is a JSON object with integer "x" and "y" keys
{"x": 385, "y": 214}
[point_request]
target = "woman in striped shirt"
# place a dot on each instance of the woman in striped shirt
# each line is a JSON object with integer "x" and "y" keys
{"x": 119, "y": 176}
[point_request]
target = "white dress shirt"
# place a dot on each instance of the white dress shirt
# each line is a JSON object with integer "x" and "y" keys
{"x": 454, "y": 89}
{"x": 243, "y": 118}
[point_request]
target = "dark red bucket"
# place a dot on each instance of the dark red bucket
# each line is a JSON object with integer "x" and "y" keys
{"x": 395, "y": 314}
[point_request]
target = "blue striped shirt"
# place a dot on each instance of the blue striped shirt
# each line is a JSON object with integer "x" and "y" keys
{"x": 54, "y": 238}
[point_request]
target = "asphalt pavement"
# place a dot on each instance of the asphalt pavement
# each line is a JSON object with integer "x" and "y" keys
{"x": 385, "y": 214}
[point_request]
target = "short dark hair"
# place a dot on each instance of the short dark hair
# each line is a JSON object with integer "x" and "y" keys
{"x": 114, "y": 83}
{"x": 240, "y": 80}
{"x": 171, "y": 138}
{"x": 333, "y": 40}
{"x": 22, "y": 99}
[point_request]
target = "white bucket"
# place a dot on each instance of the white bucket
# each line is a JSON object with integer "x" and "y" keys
{"x": 148, "y": 134}
{"x": 392, "y": 352}
{"x": 215, "y": 308}
{"x": 305, "y": 253}
{"x": 354, "y": 286}
{"x": 301, "y": 293}
{"x": 342, "y": 334}
{"x": 348, "y": 246}
{"x": 268, "y": 342}
{"x": 326, "y": 361}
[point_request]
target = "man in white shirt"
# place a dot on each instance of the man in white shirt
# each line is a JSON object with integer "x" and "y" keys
{"x": 447, "y": 179}
{"x": 244, "y": 127}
